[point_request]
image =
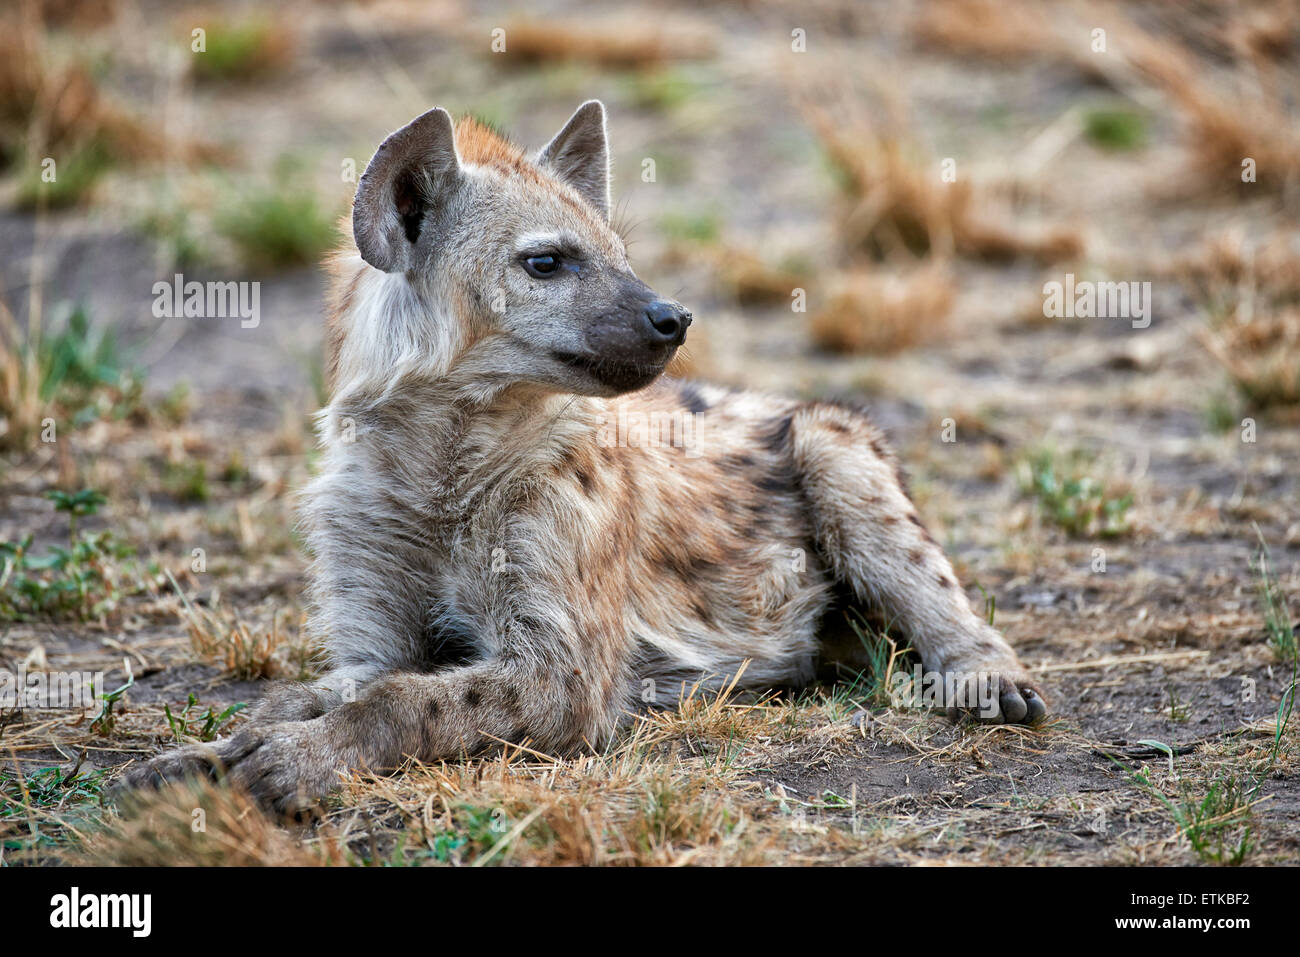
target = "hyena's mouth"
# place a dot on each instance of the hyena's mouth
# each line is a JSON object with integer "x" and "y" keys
{"x": 619, "y": 374}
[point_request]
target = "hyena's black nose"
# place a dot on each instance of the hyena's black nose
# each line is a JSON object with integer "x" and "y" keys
{"x": 666, "y": 322}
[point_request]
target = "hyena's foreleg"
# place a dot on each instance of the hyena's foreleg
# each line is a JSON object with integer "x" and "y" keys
{"x": 371, "y": 607}
{"x": 370, "y": 599}
{"x": 868, "y": 530}
{"x": 293, "y": 721}
{"x": 543, "y": 691}
{"x": 288, "y": 765}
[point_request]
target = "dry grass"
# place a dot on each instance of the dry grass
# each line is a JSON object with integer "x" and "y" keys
{"x": 1261, "y": 354}
{"x": 897, "y": 209}
{"x": 593, "y": 811}
{"x": 219, "y": 636}
{"x": 1250, "y": 292}
{"x": 878, "y": 311}
{"x": 200, "y": 825}
{"x": 1224, "y": 126}
{"x": 619, "y": 44}
{"x": 1229, "y": 114}
{"x": 997, "y": 241}
{"x": 21, "y": 408}
{"x": 55, "y": 106}
{"x": 52, "y": 109}
{"x": 984, "y": 28}
{"x": 895, "y": 202}
{"x": 752, "y": 281}
{"x": 1230, "y": 271}
{"x": 78, "y": 14}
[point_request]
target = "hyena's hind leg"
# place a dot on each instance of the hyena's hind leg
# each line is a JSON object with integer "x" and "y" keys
{"x": 868, "y": 531}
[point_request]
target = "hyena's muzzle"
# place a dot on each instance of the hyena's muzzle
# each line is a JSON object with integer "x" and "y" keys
{"x": 629, "y": 341}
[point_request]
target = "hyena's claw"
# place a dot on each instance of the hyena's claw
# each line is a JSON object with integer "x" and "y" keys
{"x": 998, "y": 699}
{"x": 1036, "y": 706}
{"x": 288, "y": 771}
{"x": 1012, "y": 704}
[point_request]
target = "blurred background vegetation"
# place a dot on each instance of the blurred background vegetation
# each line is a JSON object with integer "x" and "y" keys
{"x": 917, "y": 170}
{"x": 858, "y": 199}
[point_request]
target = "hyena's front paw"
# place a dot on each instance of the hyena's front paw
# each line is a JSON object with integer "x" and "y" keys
{"x": 194, "y": 762}
{"x": 994, "y": 689}
{"x": 287, "y": 767}
{"x": 284, "y": 767}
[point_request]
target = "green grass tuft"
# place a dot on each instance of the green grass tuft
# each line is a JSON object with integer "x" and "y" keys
{"x": 82, "y": 581}
{"x": 698, "y": 227}
{"x": 279, "y": 226}
{"x": 36, "y": 809}
{"x": 1277, "y": 616}
{"x": 1071, "y": 499}
{"x": 1115, "y": 130}
{"x": 77, "y": 173}
{"x": 241, "y": 51}
{"x": 663, "y": 89}
{"x": 186, "y": 729}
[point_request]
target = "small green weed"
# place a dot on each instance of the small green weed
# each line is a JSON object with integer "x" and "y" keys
{"x": 1277, "y": 616}
{"x": 1115, "y": 129}
{"x": 1217, "y": 824}
{"x": 106, "y": 720}
{"x": 81, "y": 581}
{"x": 1073, "y": 500}
{"x": 186, "y": 728}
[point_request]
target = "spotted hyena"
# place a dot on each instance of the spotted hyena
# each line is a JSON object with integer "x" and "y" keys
{"x": 520, "y": 525}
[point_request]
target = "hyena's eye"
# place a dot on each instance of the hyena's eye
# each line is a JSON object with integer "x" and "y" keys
{"x": 542, "y": 267}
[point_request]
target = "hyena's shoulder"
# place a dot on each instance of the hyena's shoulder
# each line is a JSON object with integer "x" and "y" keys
{"x": 723, "y": 467}
{"x": 740, "y": 429}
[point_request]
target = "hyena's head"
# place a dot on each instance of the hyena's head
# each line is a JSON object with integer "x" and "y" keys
{"x": 518, "y": 253}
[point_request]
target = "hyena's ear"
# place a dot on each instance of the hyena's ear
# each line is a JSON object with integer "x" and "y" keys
{"x": 579, "y": 155}
{"x": 413, "y": 173}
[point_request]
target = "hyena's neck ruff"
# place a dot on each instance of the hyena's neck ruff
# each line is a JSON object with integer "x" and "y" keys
{"x": 453, "y": 436}
{"x": 497, "y": 558}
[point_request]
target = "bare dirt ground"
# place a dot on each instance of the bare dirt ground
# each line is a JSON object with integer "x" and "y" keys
{"x": 1152, "y": 638}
